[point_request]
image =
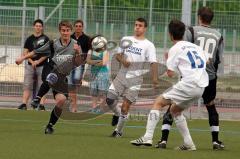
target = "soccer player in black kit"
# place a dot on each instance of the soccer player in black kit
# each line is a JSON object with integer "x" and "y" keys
{"x": 64, "y": 56}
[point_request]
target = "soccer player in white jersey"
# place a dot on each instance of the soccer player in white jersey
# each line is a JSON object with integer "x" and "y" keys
{"x": 189, "y": 61}
{"x": 211, "y": 41}
{"x": 130, "y": 76}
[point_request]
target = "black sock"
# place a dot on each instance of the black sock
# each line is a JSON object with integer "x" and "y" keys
{"x": 213, "y": 121}
{"x": 166, "y": 124}
{"x": 44, "y": 88}
{"x": 214, "y": 136}
{"x": 56, "y": 113}
{"x": 165, "y": 133}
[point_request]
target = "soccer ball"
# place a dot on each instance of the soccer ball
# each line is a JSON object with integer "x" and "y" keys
{"x": 125, "y": 43}
{"x": 99, "y": 42}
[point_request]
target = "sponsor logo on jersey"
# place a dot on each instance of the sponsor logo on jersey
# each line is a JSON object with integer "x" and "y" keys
{"x": 63, "y": 58}
{"x": 134, "y": 50}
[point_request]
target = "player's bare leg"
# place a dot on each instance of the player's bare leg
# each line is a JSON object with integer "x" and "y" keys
{"x": 102, "y": 102}
{"x": 94, "y": 102}
{"x": 73, "y": 97}
{"x": 26, "y": 95}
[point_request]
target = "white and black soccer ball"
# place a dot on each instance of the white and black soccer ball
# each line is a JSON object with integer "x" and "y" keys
{"x": 99, "y": 42}
{"x": 125, "y": 43}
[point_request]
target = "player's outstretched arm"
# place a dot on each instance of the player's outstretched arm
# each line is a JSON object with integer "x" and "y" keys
{"x": 42, "y": 49}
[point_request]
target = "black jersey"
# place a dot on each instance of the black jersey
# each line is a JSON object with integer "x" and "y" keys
{"x": 211, "y": 41}
{"x": 31, "y": 44}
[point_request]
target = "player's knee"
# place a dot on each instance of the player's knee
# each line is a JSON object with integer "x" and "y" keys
{"x": 175, "y": 110}
{"x": 179, "y": 118}
{"x": 60, "y": 100}
{"x": 161, "y": 102}
{"x": 124, "y": 110}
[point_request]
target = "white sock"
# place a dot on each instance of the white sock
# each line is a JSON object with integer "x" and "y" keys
{"x": 166, "y": 127}
{"x": 153, "y": 119}
{"x": 214, "y": 128}
{"x": 121, "y": 122}
{"x": 116, "y": 110}
{"x": 181, "y": 124}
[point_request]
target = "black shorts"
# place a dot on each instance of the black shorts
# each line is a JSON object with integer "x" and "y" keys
{"x": 63, "y": 89}
{"x": 210, "y": 91}
{"x": 47, "y": 68}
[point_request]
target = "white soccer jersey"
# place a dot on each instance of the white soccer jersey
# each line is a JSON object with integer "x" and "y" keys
{"x": 190, "y": 61}
{"x": 140, "y": 52}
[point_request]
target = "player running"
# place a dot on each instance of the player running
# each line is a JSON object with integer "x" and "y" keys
{"x": 189, "y": 60}
{"x": 212, "y": 42}
{"x": 65, "y": 55}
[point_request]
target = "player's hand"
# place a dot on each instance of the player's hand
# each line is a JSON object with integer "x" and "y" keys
{"x": 126, "y": 63}
{"x": 19, "y": 60}
{"x": 35, "y": 63}
{"x": 77, "y": 48}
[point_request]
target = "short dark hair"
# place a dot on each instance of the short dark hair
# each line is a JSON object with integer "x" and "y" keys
{"x": 176, "y": 28}
{"x": 206, "y": 14}
{"x": 78, "y": 21}
{"x": 143, "y": 21}
{"x": 65, "y": 23}
{"x": 38, "y": 21}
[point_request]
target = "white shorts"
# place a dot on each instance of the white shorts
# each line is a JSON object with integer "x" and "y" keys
{"x": 128, "y": 88}
{"x": 182, "y": 95}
